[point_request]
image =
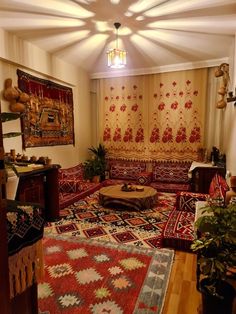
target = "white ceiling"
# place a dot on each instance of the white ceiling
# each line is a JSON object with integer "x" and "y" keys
{"x": 155, "y": 33}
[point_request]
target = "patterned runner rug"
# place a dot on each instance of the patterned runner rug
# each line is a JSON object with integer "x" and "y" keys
{"x": 87, "y": 218}
{"x": 92, "y": 277}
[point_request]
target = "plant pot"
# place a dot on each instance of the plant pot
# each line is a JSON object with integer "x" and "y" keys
{"x": 214, "y": 304}
{"x": 96, "y": 179}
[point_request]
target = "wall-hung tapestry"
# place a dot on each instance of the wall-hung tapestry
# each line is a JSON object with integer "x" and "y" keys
{"x": 48, "y": 119}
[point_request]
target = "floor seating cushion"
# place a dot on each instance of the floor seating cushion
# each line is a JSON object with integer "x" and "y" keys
{"x": 179, "y": 229}
{"x": 171, "y": 176}
{"x": 73, "y": 186}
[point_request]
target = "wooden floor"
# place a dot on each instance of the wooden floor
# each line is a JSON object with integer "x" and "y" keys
{"x": 182, "y": 296}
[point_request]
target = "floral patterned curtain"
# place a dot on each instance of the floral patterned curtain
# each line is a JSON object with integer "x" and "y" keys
{"x": 158, "y": 116}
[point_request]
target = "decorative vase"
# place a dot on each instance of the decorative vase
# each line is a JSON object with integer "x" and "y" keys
{"x": 96, "y": 179}
{"x": 214, "y": 304}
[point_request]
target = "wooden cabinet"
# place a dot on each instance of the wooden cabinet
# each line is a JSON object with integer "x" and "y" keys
{"x": 31, "y": 189}
{"x": 202, "y": 176}
{"x": 41, "y": 186}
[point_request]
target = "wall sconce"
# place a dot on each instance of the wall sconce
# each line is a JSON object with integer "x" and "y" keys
{"x": 222, "y": 71}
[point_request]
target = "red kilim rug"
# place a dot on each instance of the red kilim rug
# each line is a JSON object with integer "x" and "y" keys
{"x": 94, "y": 277}
{"x": 87, "y": 218}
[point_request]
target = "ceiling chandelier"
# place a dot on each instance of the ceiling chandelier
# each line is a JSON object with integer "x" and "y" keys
{"x": 116, "y": 58}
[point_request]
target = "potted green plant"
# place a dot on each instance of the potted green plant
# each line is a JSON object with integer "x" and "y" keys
{"x": 93, "y": 169}
{"x": 96, "y": 165}
{"x": 215, "y": 246}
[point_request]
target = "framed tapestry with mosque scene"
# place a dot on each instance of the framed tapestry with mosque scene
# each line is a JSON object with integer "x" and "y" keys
{"x": 48, "y": 119}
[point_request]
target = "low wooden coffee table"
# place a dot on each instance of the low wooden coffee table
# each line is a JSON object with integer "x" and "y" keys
{"x": 138, "y": 200}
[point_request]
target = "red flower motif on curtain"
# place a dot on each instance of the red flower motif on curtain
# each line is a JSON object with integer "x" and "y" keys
{"x": 117, "y": 97}
{"x": 161, "y": 106}
{"x": 140, "y": 96}
{"x": 161, "y": 84}
{"x": 139, "y": 136}
{"x": 129, "y": 97}
{"x": 111, "y": 88}
{"x": 188, "y": 104}
{"x": 168, "y": 94}
{"x": 117, "y": 135}
{"x": 174, "y": 105}
{"x": 107, "y": 134}
{"x": 155, "y": 136}
{"x": 134, "y": 87}
{"x": 174, "y": 83}
{"x": 155, "y": 95}
{"x": 195, "y": 135}
{"x": 188, "y": 82}
{"x": 128, "y": 137}
{"x": 134, "y": 107}
{"x": 195, "y": 93}
{"x": 122, "y": 87}
{"x": 112, "y": 108}
{"x": 106, "y": 98}
{"x": 167, "y": 135}
{"x": 123, "y": 107}
{"x": 181, "y": 135}
{"x": 181, "y": 93}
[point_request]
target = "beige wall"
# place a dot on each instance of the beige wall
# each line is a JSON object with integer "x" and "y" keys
{"x": 15, "y": 53}
{"x": 230, "y": 122}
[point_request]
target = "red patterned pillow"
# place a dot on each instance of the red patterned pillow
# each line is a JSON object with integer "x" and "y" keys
{"x": 76, "y": 172}
{"x": 218, "y": 187}
{"x": 144, "y": 178}
{"x": 171, "y": 171}
{"x": 124, "y": 172}
{"x": 185, "y": 201}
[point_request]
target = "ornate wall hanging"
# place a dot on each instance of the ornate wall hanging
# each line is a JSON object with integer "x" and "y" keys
{"x": 48, "y": 119}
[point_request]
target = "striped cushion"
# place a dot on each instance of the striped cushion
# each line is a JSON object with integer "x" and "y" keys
{"x": 179, "y": 230}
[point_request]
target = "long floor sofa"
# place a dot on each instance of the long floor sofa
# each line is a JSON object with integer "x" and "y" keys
{"x": 164, "y": 176}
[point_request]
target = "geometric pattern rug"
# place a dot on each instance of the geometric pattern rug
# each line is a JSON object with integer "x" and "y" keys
{"x": 88, "y": 219}
{"x": 92, "y": 277}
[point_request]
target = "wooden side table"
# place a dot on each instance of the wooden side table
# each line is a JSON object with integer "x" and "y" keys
{"x": 202, "y": 174}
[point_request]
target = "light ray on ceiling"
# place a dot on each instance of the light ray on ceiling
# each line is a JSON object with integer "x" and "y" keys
{"x": 60, "y": 41}
{"x": 207, "y": 24}
{"x": 170, "y": 7}
{"x": 80, "y": 50}
{"x": 143, "y": 5}
{"x": 54, "y": 6}
{"x": 154, "y": 51}
{"x": 17, "y": 21}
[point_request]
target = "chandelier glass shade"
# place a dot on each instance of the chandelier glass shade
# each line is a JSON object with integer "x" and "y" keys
{"x": 116, "y": 58}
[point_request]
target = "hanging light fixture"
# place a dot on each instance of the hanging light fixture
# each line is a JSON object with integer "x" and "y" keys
{"x": 116, "y": 58}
